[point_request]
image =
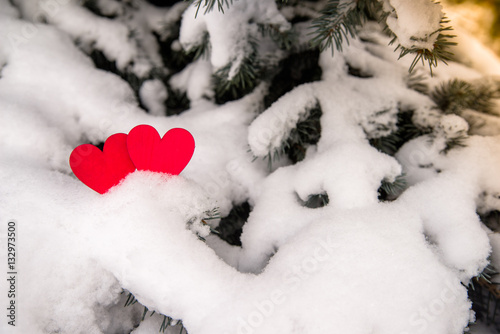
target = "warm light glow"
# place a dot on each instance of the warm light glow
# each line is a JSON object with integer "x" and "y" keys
{"x": 478, "y": 17}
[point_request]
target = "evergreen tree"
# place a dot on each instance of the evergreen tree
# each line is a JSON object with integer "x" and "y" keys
{"x": 319, "y": 84}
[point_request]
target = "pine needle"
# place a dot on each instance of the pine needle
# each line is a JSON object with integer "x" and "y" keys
{"x": 337, "y": 23}
{"x": 432, "y": 57}
{"x": 454, "y": 96}
{"x": 210, "y": 4}
{"x": 392, "y": 189}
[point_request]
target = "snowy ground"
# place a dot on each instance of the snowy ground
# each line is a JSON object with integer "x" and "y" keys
{"x": 356, "y": 265}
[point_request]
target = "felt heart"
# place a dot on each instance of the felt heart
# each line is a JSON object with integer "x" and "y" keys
{"x": 101, "y": 170}
{"x": 169, "y": 154}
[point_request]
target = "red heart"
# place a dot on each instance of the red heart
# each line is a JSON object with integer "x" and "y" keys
{"x": 169, "y": 154}
{"x": 101, "y": 170}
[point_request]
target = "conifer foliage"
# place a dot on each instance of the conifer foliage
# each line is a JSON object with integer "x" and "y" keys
{"x": 334, "y": 149}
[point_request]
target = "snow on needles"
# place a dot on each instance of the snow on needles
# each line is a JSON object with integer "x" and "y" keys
{"x": 228, "y": 30}
{"x": 415, "y": 23}
{"x": 356, "y": 265}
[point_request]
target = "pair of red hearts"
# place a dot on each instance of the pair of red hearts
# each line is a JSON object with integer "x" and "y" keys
{"x": 142, "y": 148}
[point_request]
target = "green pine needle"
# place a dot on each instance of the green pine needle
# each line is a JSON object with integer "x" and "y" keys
{"x": 456, "y": 95}
{"x": 130, "y": 300}
{"x": 391, "y": 189}
{"x": 432, "y": 57}
{"x": 488, "y": 272}
{"x": 164, "y": 325}
{"x": 455, "y": 142}
{"x": 167, "y": 321}
{"x": 307, "y": 132}
{"x": 201, "y": 50}
{"x": 144, "y": 313}
{"x": 388, "y": 144}
{"x": 210, "y": 4}
{"x": 242, "y": 82}
{"x": 406, "y": 131}
{"x": 417, "y": 81}
{"x": 338, "y": 22}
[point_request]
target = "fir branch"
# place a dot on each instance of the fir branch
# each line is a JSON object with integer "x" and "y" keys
{"x": 457, "y": 95}
{"x": 338, "y": 22}
{"x": 432, "y": 57}
{"x": 167, "y": 321}
{"x": 416, "y": 81}
{"x": 316, "y": 201}
{"x": 130, "y": 300}
{"x": 177, "y": 101}
{"x": 451, "y": 143}
{"x": 306, "y": 132}
{"x": 208, "y": 215}
{"x": 389, "y": 190}
{"x": 211, "y": 215}
{"x": 244, "y": 81}
{"x": 210, "y": 4}
{"x": 388, "y": 144}
{"x": 201, "y": 50}
{"x": 485, "y": 276}
{"x": 174, "y": 57}
{"x": 230, "y": 83}
{"x": 406, "y": 131}
{"x": 164, "y": 325}
{"x": 285, "y": 40}
{"x": 231, "y": 226}
{"x": 296, "y": 69}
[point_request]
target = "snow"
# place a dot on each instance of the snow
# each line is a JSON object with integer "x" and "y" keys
{"x": 153, "y": 95}
{"x": 414, "y": 30}
{"x": 195, "y": 79}
{"x": 127, "y": 41}
{"x": 228, "y": 31}
{"x": 356, "y": 265}
{"x": 346, "y": 112}
{"x": 132, "y": 217}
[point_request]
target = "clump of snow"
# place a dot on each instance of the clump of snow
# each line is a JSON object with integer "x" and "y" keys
{"x": 348, "y": 113}
{"x": 153, "y": 95}
{"x": 228, "y": 31}
{"x": 272, "y": 128}
{"x": 278, "y": 204}
{"x": 196, "y": 80}
{"x": 426, "y": 116}
{"x": 422, "y": 159}
{"x": 415, "y": 22}
{"x": 126, "y": 40}
{"x": 452, "y": 126}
